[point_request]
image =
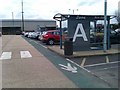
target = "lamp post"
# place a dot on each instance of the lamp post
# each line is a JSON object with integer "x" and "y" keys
{"x": 105, "y": 25}
{"x": 13, "y": 20}
{"x": 73, "y": 10}
{"x": 22, "y": 17}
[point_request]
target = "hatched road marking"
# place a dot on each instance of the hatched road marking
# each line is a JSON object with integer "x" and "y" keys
{"x": 6, "y": 55}
{"x": 25, "y": 54}
{"x": 101, "y": 64}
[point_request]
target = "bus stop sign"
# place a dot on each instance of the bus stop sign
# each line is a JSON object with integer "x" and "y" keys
{"x": 79, "y": 30}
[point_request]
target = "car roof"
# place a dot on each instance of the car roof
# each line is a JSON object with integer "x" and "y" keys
{"x": 52, "y": 30}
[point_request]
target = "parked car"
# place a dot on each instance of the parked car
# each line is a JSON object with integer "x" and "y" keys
{"x": 0, "y": 34}
{"x": 31, "y": 34}
{"x": 115, "y": 37}
{"x": 40, "y": 36}
{"x": 51, "y": 36}
{"x": 25, "y": 34}
{"x": 117, "y": 30}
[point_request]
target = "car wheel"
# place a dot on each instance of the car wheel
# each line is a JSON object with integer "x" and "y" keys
{"x": 51, "y": 42}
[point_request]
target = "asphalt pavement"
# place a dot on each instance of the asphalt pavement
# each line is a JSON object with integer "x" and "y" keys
{"x": 29, "y": 72}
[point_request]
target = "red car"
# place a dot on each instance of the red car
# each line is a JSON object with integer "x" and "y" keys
{"x": 51, "y": 36}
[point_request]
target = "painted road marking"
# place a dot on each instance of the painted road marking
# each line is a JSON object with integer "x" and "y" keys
{"x": 107, "y": 59}
{"x": 83, "y": 62}
{"x": 6, "y": 55}
{"x": 25, "y": 54}
{"x": 69, "y": 68}
{"x": 108, "y": 68}
{"x": 78, "y": 65}
{"x": 101, "y": 64}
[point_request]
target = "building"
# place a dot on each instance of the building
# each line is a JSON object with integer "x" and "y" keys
{"x": 12, "y": 27}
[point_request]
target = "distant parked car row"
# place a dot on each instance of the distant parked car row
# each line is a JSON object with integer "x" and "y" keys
{"x": 114, "y": 37}
{"x": 49, "y": 37}
{"x": 53, "y": 36}
{"x": 33, "y": 35}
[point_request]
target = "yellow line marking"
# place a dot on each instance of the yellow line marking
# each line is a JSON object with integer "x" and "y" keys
{"x": 107, "y": 59}
{"x": 83, "y": 62}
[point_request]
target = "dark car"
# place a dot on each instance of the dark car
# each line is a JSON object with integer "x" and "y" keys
{"x": 114, "y": 37}
{"x": 0, "y": 34}
{"x": 98, "y": 37}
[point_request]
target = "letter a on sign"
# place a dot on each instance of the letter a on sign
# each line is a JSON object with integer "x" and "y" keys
{"x": 83, "y": 34}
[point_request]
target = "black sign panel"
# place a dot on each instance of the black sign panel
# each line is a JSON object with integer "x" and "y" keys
{"x": 79, "y": 30}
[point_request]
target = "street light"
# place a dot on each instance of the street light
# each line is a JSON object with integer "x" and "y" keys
{"x": 13, "y": 21}
{"x": 105, "y": 26}
{"x": 22, "y": 17}
{"x": 73, "y": 10}
{"x": 13, "y": 18}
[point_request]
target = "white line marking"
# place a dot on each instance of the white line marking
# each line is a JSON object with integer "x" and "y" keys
{"x": 70, "y": 68}
{"x": 83, "y": 62}
{"x": 6, "y": 55}
{"x": 78, "y": 65}
{"x": 25, "y": 54}
{"x": 108, "y": 68}
{"x": 85, "y": 69}
{"x": 107, "y": 59}
{"x": 101, "y": 64}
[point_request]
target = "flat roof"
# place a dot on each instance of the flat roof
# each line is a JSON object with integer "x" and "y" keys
{"x": 90, "y": 17}
{"x": 28, "y": 20}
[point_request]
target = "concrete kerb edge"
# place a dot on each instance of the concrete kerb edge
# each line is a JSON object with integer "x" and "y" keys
{"x": 96, "y": 55}
{"x": 72, "y": 56}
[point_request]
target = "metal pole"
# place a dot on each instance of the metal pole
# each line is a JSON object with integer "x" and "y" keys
{"x": 108, "y": 32}
{"x": 13, "y": 20}
{"x": 73, "y": 11}
{"x": 105, "y": 26}
{"x": 60, "y": 34}
{"x": 22, "y": 17}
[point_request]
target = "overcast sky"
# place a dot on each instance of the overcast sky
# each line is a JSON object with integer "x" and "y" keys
{"x": 46, "y": 9}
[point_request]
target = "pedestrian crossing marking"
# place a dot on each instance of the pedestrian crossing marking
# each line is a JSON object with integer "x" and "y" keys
{"x": 6, "y": 56}
{"x": 25, "y": 54}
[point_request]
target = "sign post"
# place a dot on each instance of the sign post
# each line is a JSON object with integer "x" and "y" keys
{"x": 78, "y": 29}
{"x": 105, "y": 26}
